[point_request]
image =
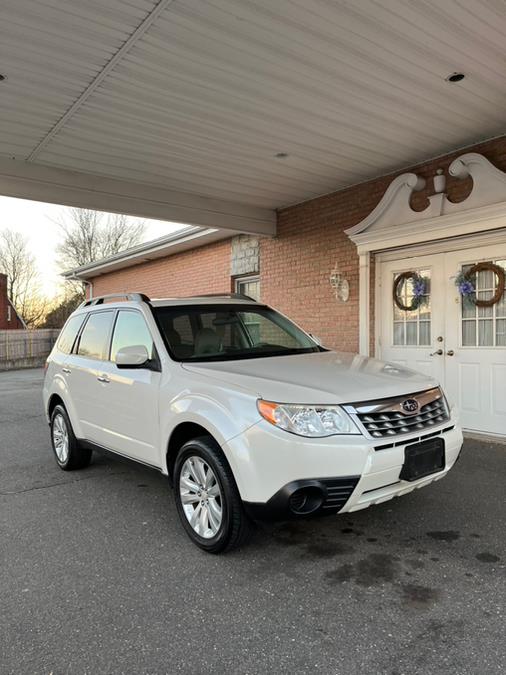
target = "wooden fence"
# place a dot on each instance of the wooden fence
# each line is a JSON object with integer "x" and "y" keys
{"x": 25, "y": 348}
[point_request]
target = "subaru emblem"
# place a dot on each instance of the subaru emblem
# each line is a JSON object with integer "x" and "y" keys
{"x": 410, "y": 406}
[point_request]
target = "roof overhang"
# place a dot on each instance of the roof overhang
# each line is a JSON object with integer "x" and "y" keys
{"x": 182, "y": 240}
{"x": 218, "y": 113}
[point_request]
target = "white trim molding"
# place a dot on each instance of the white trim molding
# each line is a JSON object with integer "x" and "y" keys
{"x": 29, "y": 180}
{"x": 364, "y": 291}
{"x": 394, "y": 206}
{"x": 393, "y": 224}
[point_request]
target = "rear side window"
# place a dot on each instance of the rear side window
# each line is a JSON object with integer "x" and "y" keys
{"x": 131, "y": 330}
{"x": 93, "y": 342}
{"x": 69, "y": 333}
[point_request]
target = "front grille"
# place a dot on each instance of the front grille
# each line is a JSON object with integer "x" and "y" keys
{"x": 338, "y": 492}
{"x": 386, "y": 419}
{"x": 414, "y": 439}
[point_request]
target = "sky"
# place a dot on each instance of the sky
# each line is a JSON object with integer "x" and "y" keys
{"x": 38, "y": 222}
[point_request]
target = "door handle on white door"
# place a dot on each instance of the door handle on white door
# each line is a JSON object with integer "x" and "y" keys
{"x": 103, "y": 378}
{"x": 450, "y": 352}
{"x": 438, "y": 352}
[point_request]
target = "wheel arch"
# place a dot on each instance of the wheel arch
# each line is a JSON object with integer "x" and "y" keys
{"x": 54, "y": 400}
{"x": 61, "y": 398}
{"x": 181, "y": 434}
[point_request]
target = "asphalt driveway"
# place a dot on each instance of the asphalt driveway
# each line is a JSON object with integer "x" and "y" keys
{"x": 97, "y": 576}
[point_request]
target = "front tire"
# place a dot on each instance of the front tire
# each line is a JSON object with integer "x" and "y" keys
{"x": 207, "y": 499}
{"x": 68, "y": 454}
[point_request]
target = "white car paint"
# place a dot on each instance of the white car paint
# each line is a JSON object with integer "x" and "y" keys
{"x": 135, "y": 412}
{"x": 328, "y": 377}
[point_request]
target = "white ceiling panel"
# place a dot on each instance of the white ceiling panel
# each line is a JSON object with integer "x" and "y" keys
{"x": 203, "y": 98}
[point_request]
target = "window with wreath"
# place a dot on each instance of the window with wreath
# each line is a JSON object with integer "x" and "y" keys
{"x": 483, "y": 306}
{"x": 412, "y": 308}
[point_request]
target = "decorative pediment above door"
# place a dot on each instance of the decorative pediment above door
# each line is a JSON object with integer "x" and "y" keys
{"x": 394, "y": 224}
{"x": 394, "y": 213}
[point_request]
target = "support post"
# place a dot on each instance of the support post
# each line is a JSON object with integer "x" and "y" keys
{"x": 364, "y": 302}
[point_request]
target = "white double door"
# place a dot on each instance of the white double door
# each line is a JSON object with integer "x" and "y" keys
{"x": 461, "y": 345}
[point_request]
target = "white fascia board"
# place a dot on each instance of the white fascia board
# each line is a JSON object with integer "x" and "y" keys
{"x": 44, "y": 183}
{"x": 184, "y": 240}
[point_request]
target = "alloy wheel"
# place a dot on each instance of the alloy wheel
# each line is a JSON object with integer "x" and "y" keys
{"x": 60, "y": 438}
{"x": 201, "y": 497}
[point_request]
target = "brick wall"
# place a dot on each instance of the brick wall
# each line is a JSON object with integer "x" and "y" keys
{"x": 202, "y": 270}
{"x": 14, "y": 322}
{"x": 295, "y": 266}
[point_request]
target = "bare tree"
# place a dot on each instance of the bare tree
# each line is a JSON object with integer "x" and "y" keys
{"x": 91, "y": 235}
{"x": 61, "y": 308}
{"x": 23, "y": 289}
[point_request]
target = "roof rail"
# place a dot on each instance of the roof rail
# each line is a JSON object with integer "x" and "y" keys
{"x": 128, "y": 297}
{"x": 235, "y": 296}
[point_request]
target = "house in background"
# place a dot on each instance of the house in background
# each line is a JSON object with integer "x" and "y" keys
{"x": 344, "y": 266}
{"x": 9, "y": 318}
{"x": 343, "y": 161}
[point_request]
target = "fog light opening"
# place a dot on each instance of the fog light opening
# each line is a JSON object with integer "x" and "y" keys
{"x": 306, "y": 500}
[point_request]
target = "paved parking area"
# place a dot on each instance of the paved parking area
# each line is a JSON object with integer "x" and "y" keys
{"x": 97, "y": 576}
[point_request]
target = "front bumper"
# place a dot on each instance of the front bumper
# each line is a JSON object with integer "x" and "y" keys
{"x": 342, "y": 474}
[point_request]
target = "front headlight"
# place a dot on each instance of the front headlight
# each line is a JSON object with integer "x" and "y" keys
{"x": 304, "y": 420}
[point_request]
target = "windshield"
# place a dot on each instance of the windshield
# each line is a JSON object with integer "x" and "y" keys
{"x": 226, "y": 332}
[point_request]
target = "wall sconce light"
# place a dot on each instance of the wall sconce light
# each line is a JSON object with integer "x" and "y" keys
{"x": 340, "y": 285}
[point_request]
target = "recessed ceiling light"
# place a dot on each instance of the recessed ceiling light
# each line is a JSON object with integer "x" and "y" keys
{"x": 455, "y": 77}
{"x": 281, "y": 155}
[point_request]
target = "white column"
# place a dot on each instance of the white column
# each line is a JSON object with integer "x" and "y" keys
{"x": 364, "y": 302}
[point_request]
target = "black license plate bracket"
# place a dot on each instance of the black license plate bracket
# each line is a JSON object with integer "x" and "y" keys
{"x": 423, "y": 459}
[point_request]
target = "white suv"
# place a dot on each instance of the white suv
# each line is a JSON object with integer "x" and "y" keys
{"x": 245, "y": 412}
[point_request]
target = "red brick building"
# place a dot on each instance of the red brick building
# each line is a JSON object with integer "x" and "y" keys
{"x": 9, "y": 318}
{"x": 334, "y": 259}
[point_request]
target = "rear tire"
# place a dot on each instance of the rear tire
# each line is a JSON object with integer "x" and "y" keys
{"x": 207, "y": 500}
{"x": 68, "y": 454}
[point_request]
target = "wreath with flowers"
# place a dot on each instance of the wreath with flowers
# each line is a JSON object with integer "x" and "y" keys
{"x": 420, "y": 290}
{"x": 466, "y": 283}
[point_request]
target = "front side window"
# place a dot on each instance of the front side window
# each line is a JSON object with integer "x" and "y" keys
{"x": 131, "y": 330}
{"x": 69, "y": 333}
{"x": 227, "y": 332}
{"x": 94, "y": 338}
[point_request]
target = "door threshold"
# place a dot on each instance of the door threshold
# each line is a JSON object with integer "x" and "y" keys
{"x": 484, "y": 436}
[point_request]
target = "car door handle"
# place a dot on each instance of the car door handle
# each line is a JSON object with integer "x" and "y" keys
{"x": 103, "y": 378}
{"x": 65, "y": 370}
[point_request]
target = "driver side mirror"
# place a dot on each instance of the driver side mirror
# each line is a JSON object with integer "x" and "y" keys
{"x": 135, "y": 356}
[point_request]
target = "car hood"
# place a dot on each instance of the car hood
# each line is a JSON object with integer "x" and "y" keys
{"x": 318, "y": 377}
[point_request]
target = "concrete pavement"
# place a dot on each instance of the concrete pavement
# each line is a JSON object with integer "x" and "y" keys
{"x": 97, "y": 575}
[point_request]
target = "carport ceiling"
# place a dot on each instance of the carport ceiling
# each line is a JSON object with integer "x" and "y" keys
{"x": 199, "y": 97}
